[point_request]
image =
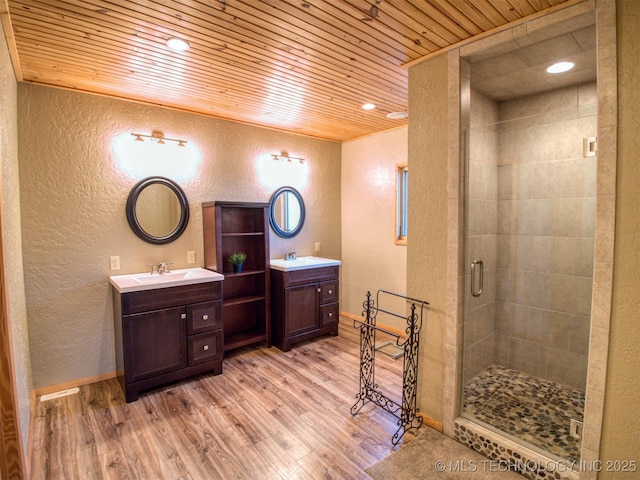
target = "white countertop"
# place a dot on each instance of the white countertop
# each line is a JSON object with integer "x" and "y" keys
{"x": 302, "y": 263}
{"x": 136, "y": 282}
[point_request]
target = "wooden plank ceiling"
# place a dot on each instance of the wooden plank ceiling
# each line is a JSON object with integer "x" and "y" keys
{"x": 303, "y": 66}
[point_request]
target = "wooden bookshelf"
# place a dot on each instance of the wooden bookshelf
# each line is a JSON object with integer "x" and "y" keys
{"x": 246, "y": 309}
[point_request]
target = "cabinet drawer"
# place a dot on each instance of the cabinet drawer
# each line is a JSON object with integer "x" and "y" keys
{"x": 204, "y": 317}
{"x": 205, "y": 347}
{"x": 146, "y": 300}
{"x": 329, "y": 314}
{"x": 310, "y": 275}
{"x": 328, "y": 292}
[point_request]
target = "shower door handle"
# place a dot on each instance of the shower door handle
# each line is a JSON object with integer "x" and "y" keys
{"x": 476, "y": 290}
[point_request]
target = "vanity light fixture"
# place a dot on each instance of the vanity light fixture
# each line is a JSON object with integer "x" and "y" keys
{"x": 177, "y": 44}
{"x": 158, "y": 137}
{"x": 560, "y": 67}
{"x": 284, "y": 157}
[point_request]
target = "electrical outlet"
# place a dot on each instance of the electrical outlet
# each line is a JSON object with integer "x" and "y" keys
{"x": 575, "y": 428}
{"x": 191, "y": 256}
{"x": 114, "y": 262}
{"x": 317, "y": 248}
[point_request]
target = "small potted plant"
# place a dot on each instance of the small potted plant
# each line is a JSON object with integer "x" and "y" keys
{"x": 237, "y": 259}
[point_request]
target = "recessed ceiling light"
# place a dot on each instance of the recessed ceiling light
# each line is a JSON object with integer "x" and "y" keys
{"x": 397, "y": 115}
{"x": 560, "y": 67}
{"x": 368, "y": 106}
{"x": 177, "y": 44}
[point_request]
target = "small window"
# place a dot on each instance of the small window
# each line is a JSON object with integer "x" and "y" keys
{"x": 402, "y": 172}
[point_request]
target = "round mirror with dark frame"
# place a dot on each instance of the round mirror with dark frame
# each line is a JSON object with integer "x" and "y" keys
{"x": 157, "y": 210}
{"x": 286, "y": 212}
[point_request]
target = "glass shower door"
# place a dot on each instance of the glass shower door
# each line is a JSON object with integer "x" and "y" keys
{"x": 530, "y": 221}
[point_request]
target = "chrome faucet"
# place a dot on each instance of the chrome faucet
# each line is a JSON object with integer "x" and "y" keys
{"x": 290, "y": 256}
{"x": 163, "y": 267}
{"x": 154, "y": 267}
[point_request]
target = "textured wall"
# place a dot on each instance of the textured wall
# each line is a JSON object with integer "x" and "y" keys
{"x": 12, "y": 238}
{"x": 372, "y": 259}
{"x": 77, "y": 167}
{"x": 621, "y": 428}
{"x": 427, "y": 245}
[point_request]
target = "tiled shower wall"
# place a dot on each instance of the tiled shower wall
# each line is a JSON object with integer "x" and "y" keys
{"x": 546, "y": 204}
{"x": 531, "y": 221}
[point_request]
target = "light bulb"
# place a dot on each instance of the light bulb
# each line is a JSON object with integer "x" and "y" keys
{"x": 560, "y": 67}
{"x": 177, "y": 44}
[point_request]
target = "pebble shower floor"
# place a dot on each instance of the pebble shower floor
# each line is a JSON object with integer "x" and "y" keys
{"x": 532, "y": 409}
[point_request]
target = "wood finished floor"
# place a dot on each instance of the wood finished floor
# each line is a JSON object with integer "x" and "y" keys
{"x": 270, "y": 415}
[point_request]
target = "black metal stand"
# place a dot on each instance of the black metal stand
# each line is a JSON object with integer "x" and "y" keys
{"x": 406, "y": 413}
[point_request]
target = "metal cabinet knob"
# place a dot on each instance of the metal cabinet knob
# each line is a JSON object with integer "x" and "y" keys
{"x": 205, "y": 348}
{"x": 330, "y": 314}
{"x": 319, "y": 290}
{"x": 183, "y": 316}
{"x": 330, "y": 292}
{"x": 205, "y": 317}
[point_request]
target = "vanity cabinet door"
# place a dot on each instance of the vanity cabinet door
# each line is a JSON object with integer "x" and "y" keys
{"x": 156, "y": 343}
{"x": 301, "y": 304}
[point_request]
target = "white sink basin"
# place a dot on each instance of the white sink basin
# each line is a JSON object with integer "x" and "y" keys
{"x": 303, "y": 263}
{"x": 146, "y": 281}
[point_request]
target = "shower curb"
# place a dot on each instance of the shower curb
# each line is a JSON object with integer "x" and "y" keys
{"x": 503, "y": 453}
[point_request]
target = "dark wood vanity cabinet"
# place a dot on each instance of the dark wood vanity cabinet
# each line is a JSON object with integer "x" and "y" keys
{"x": 304, "y": 305}
{"x": 167, "y": 334}
{"x": 231, "y": 227}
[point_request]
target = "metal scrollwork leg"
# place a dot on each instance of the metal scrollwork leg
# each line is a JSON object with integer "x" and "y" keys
{"x": 409, "y": 418}
{"x": 367, "y": 356}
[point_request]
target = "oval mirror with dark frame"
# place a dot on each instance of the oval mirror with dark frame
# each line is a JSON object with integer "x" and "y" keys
{"x": 286, "y": 212}
{"x": 157, "y": 210}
